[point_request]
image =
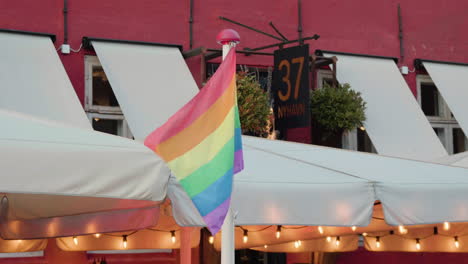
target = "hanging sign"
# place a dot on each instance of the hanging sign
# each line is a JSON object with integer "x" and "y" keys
{"x": 291, "y": 87}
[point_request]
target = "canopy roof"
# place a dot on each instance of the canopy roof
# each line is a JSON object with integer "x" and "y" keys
{"x": 58, "y": 180}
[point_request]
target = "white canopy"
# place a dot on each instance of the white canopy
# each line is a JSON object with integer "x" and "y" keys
{"x": 394, "y": 121}
{"x": 58, "y": 180}
{"x": 299, "y": 184}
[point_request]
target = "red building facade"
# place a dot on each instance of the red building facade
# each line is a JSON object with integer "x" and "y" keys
{"x": 431, "y": 29}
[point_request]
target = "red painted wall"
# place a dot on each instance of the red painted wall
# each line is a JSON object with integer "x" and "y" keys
{"x": 432, "y": 29}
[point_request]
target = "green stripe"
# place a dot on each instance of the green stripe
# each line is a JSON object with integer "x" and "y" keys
{"x": 236, "y": 118}
{"x": 207, "y": 174}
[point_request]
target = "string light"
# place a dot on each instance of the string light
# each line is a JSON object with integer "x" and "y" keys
{"x": 211, "y": 239}
{"x": 173, "y": 238}
{"x": 362, "y": 128}
{"x": 446, "y": 225}
{"x": 364, "y": 234}
{"x": 402, "y": 230}
{"x": 75, "y": 240}
{"x": 124, "y": 241}
{"x": 328, "y": 239}
{"x": 377, "y": 242}
{"x": 296, "y": 244}
{"x": 299, "y": 242}
{"x": 265, "y": 246}
{"x": 320, "y": 229}
{"x": 97, "y": 235}
{"x": 418, "y": 245}
{"x": 337, "y": 242}
{"x": 457, "y": 244}
{"x": 278, "y": 231}
{"x": 353, "y": 228}
{"x": 246, "y": 236}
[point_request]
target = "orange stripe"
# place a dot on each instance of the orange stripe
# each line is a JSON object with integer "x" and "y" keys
{"x": 202, "y": 127}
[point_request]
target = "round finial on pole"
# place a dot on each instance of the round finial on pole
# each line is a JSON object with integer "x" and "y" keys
{"x": 227, "y": 36}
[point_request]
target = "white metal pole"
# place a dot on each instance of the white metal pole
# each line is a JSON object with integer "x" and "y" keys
{"x": 227, "y": 230}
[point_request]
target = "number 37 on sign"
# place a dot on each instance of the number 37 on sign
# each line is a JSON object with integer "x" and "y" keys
{"x": 291, "y": 87}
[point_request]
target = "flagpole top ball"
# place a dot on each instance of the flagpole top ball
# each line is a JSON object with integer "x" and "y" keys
{"x": 227, "y": 36}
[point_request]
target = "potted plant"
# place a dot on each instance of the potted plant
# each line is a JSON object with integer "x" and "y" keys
{"x": 254, "y": 106}
{"x": 334, "y": 110}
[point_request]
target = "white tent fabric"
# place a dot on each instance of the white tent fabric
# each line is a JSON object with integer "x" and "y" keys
{"x": 452, "y": 82}
{"x": 459, "y": 159}
{"x": 59, "y": 180}
{"x": 34, "y": 81}
{"x": 395, "y": 122}
{"x": 150, "y": 82}
{"x": 312, "y": 185}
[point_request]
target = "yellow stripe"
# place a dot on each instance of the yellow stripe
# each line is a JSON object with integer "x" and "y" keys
{"x": 201, "y": 128}
{"x": 205, "y": 151}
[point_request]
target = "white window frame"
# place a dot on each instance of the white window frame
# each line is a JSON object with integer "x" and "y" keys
{"x": 445, "y": 113}
{"x": 90, "y": 62}
{"x": 322, "y": 75}
{"x": 98, "y": 111}
{"x": 123, "y": 129}
{"x": 444, "y": 121}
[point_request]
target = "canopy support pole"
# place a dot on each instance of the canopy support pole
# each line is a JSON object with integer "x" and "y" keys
{"x": 185, "y": 245}
{"x": 227, "y": 240}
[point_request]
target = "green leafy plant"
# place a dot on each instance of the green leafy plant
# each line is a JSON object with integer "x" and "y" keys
{"x": 254, "y": 107}
{"x": 337, "y": 109}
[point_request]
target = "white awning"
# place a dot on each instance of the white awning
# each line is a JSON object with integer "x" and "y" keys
{"x": 33, "y": 80}
{"x": 58, "y": 180}
{"x": 298, "y": 184}
{"x": 395, "y": 122}
{"x": 150, "y": 82}
{"x": 452, "y": 82}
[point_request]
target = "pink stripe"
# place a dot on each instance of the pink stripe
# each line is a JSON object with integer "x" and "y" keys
{"x": 198, "y": 105}
{"x": 215, "y": 219}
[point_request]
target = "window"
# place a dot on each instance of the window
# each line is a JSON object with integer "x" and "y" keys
{"x": 438, "y": 113}
{"x": 356, "y": 139}
{"x": 101, "y": 105}
{"x": 263, "y": 74}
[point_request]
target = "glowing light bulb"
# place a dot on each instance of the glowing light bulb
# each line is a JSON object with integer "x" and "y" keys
{"x": 246, "y": 236}
{"x": 265, "y": 246}
{"x": 278, "y": 231}
{"x": 457, "y": 244}
{"x": 320, "y": 229}
{"x": 353, "y": 228}
{"x": 75, "y": 240}
{"x": 124, "y": 241}
{"x": 377, "y": 242}
{"x": 328, "y": 239}
{"x": 173, "y": 238}
{"x": 211, "y": 239}
{"x": 446, "y": 225}
{"x": 402, "y": 230}
{"x": 418, "y": 245}
{"x": 364, "y": 234}
{"x": 337, "y": 241}
{"x": 362, "y": 128}
{"x": 296, "y": 244}
{"x": 299, "y": 243}
{"x": 97, "y": 235}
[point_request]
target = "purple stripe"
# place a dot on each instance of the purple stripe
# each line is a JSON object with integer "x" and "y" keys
{"x": 215, "y": 219}
{"x": 238, "y": 161}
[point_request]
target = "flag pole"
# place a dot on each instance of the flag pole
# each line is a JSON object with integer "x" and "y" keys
{"x": 228, "y": 38}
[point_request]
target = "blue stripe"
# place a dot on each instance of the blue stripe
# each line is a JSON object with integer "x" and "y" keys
{"x": 214, "y": 195}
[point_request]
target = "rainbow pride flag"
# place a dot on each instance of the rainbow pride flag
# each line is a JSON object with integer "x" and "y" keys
{"x": 202, "y": 145}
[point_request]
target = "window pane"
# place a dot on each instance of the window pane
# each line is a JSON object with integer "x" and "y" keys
{"x": 430, "y": 99}
{"x": 364, "y": 143}
{"x": 110, "y": 126}
{"x": 459, "y": 141}
{"x": 102, "y": 91}
{"x": 440, "y": 132}
{"x": 327, "y": 81}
